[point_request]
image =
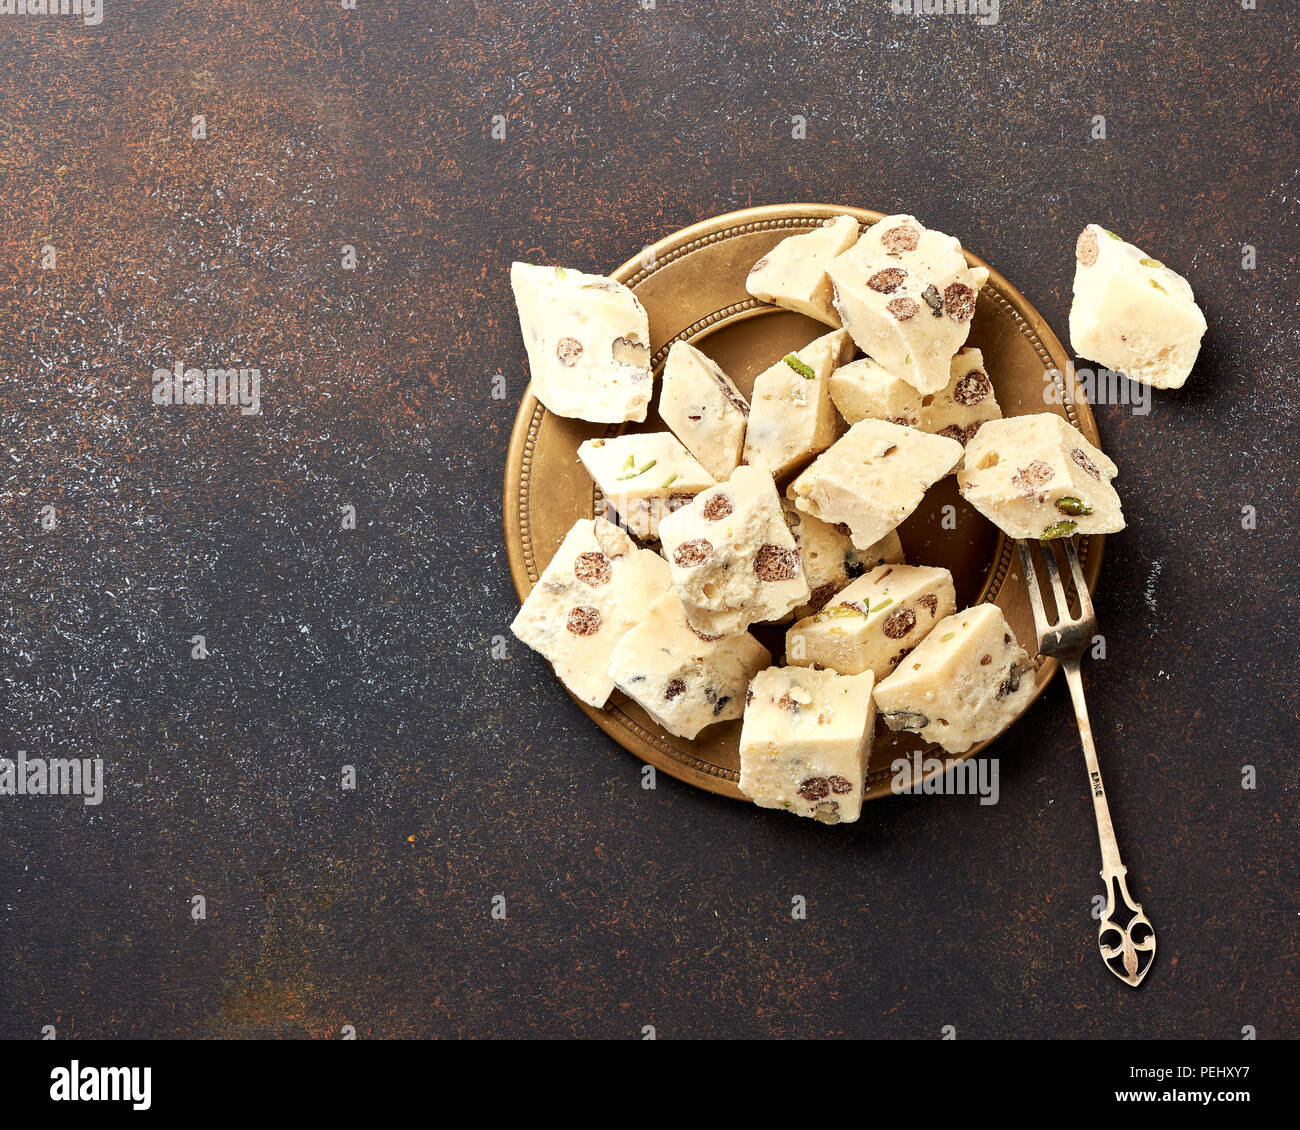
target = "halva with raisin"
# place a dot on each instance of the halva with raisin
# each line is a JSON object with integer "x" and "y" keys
{"x": 830, "y": 559}
{"x": 965, "y": 682}
{"x": 907, "y": 296}
{"x": 597, "y": 587}
{"x": 875, "y": 622}
{"x": 866, "y": 390}
{"x": 588, "y": 343}
{"x": 734, "y": 560}
{"x": 685, "y": 680}
{"x": 806, "y": 742}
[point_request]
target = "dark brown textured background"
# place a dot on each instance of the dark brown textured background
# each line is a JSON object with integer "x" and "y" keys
{"x": 373, "y": 647}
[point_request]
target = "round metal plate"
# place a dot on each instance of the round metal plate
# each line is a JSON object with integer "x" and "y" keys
{"x": 692, "y": 284}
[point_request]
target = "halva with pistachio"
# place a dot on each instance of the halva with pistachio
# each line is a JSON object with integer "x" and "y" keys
{"x": 1037, "y": 477}
{"x": 791, "y": 414}
{"x": 645, "y": 476}
{"x": 874, "y": 622}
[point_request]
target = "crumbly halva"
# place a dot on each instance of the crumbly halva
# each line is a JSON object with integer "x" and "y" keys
{"x": 965, "y": 682}
{"x": 704, "y": 409}
{"x": 875, "y": 622}
{"x": 683, "y": 679}
{"x": 1131, "y": 313}
{"x": 806, "y": 742}
{"x": 1037, "y": 477}
{"x": 874, "y": 477}
{"x": 793, "y": 273}
{"x": 588, "y": 343}
{"x": 597, "y": 587}
{"x": 865, "y": 390}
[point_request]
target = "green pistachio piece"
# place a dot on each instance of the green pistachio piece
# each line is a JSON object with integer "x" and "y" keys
{"x": 1151, "y": 262}
{"x": 637, "y": 472}
{"x": 671, "y": 479}
{"x": 1059, "y": 530}
{"x": 1112, "y": 235}
{"x": 1074, "y": 506}
{"x": 799, "y": 367}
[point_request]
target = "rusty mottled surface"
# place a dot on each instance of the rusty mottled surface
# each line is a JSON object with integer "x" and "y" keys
{"x": 373, "y": 646}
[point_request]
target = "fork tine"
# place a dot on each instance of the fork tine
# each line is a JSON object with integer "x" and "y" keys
{"x": 1054, "y": 575}
{"x": 1031, "y": 584}
{"x": 1080, "y": 584}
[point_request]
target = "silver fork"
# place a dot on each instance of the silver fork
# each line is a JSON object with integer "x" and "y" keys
{"x": 1128, "y": 949}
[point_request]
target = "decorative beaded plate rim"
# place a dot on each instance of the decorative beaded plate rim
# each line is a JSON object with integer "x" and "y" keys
{"x": 654, "y": 746}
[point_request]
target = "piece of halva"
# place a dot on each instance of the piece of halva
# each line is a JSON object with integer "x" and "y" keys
{"x": 597, "y": 587}
{"x": 806, "y": 741}
{"x": 962, "y": 684}
{"x": 682, "y": 679}
{"x": 1037, "y": 477}
{"x": 907, "y": 296}
{"x": 644, "y": 476}
{"x": 793, "y": 273}
{"x": 873, "y": 623}
{"x": 734, "y": 560}
{"x": 704, "y": 409}
{"x": 874, "y": 477}
{"x": 791, "y": 414}
{"x": 830, "y": 559}
{"x": 1131, "y": 313}
{"x": 588, "y": 343}
{"x": 965, "y": 403}
{"x": 864, "y": 390}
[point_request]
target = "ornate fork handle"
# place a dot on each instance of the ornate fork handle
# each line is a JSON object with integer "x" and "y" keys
{"x": 1133, "y": 952}
{"x": 1128, "y": 948}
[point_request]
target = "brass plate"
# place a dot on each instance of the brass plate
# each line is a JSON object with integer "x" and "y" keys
{"x": 692, "y": 284}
